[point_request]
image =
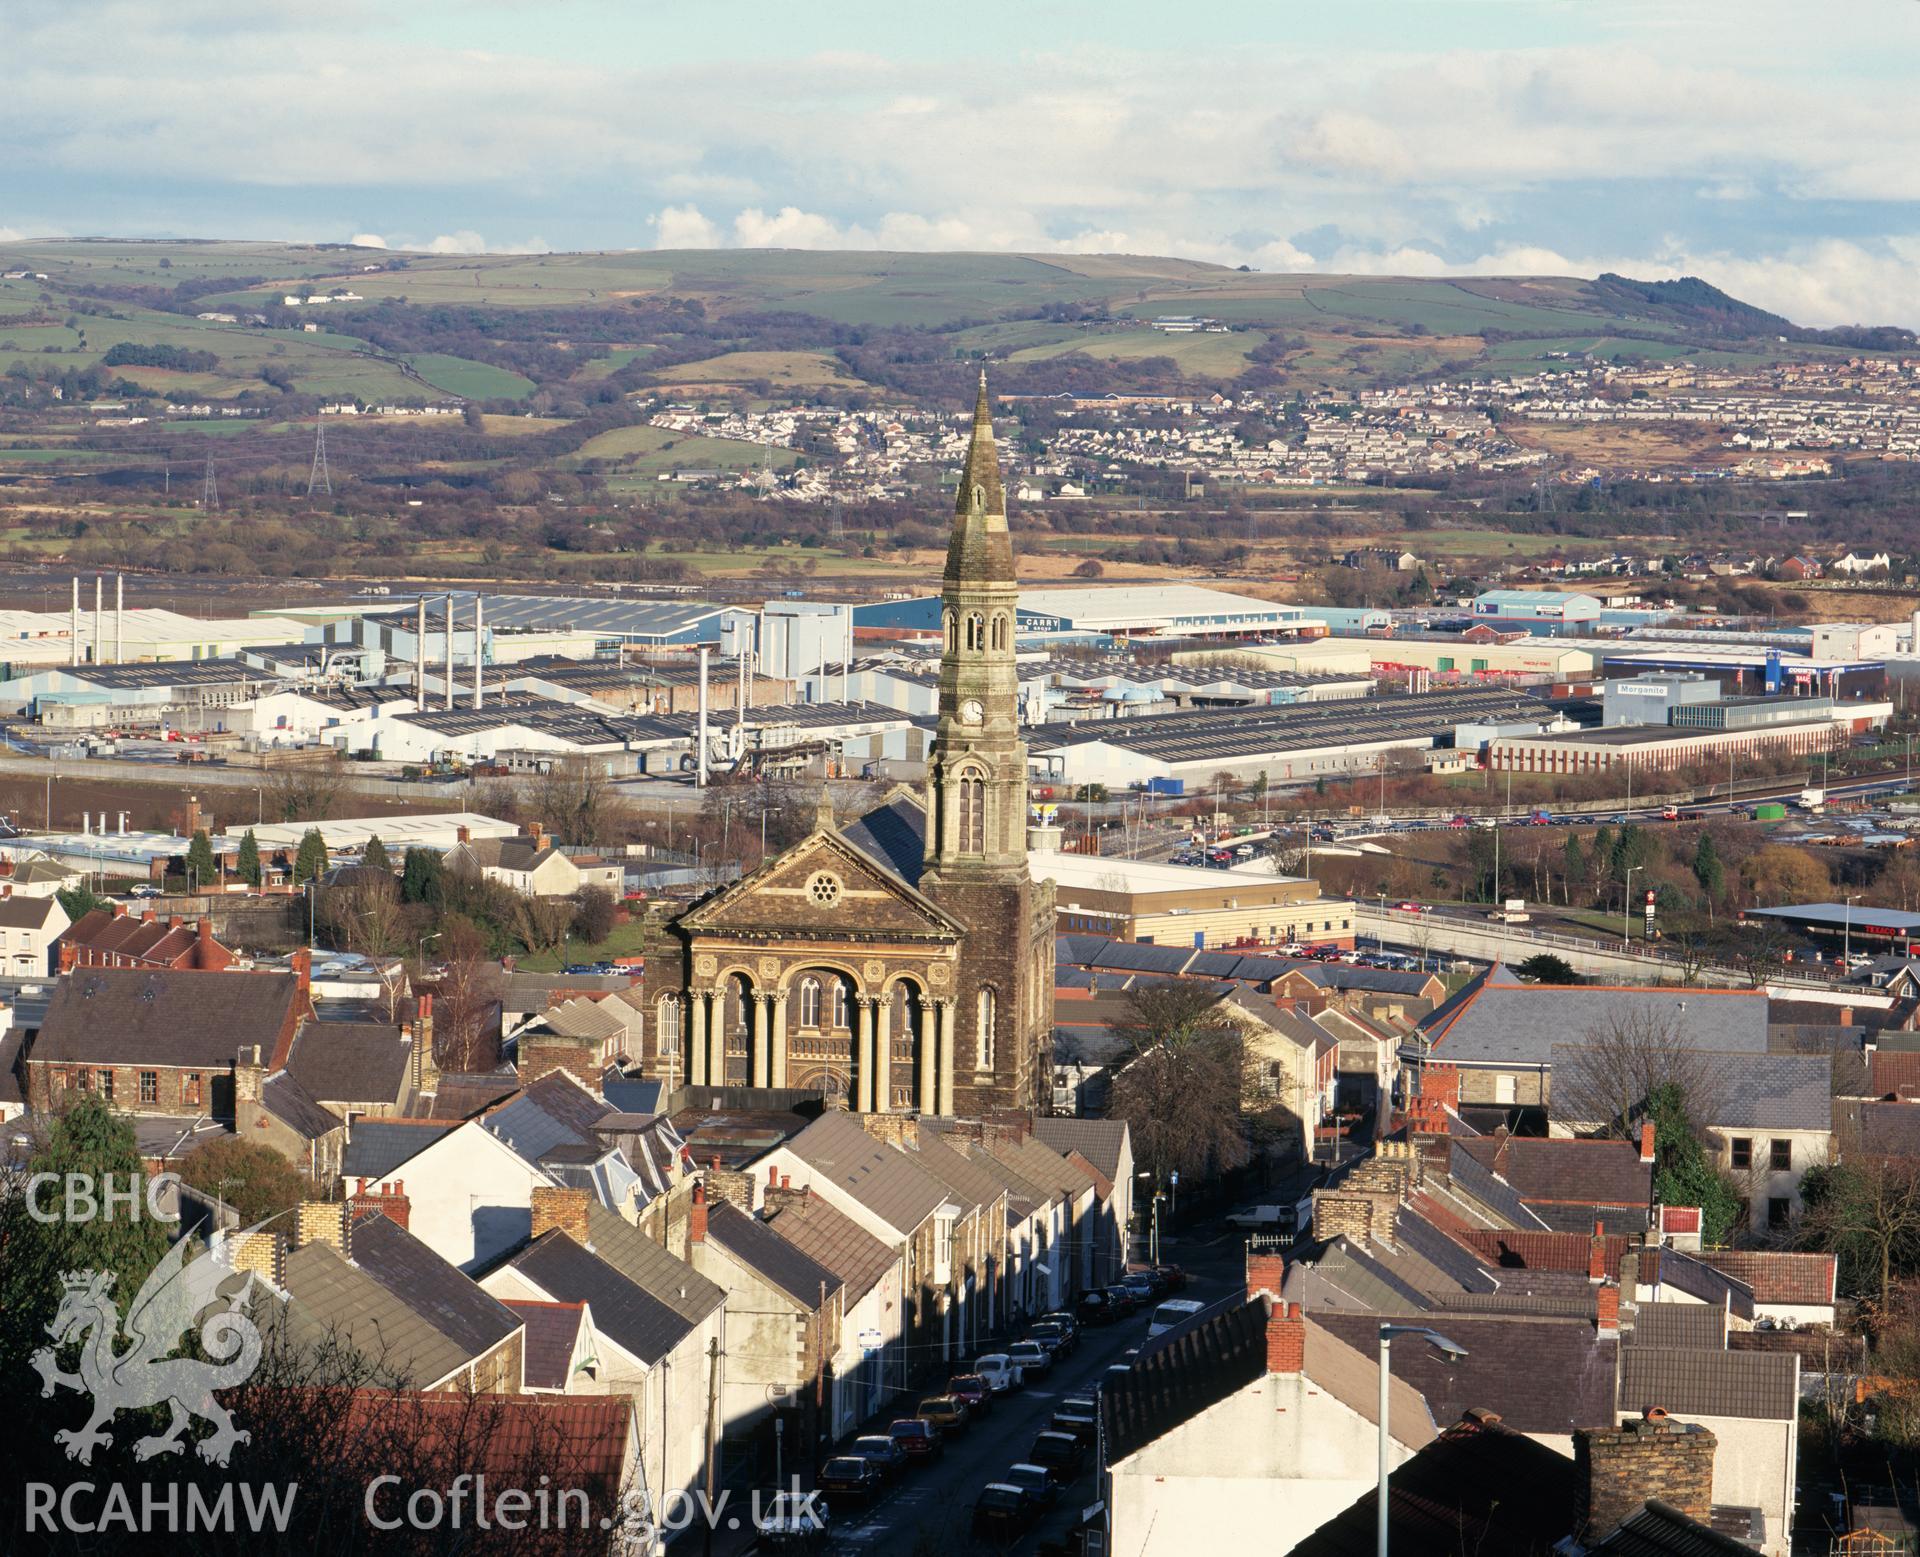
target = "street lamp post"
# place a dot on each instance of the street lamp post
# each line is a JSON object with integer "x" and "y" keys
{"x": 1846, "y": 941}
{"x": 1454, "y": 1352}
{"x": 1626, "y": 909}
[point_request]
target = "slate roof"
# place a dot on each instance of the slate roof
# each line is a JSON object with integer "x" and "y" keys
{"x": 554, "y": 1111}
{"x": 1540, "y": 1375}
{"x": 375, "y": 1147}
{"x": 1301, "y": 1031}
{"x": 969, "y": 1184}
{"x": 623, "y": 1311}
{"x": 1512, "y": 1249}
{"x": 1210, "y": 1361}
{"x": 1097, "y": 1140}
{"x": 882, "y": 1178}
{"x": 1658, "y": 1529}
{"x": 894, "y": 836}
{"x": 835, "y": 1240}
{"x": 1564, "y": 1171}
{"x": 1478, "y": 1490}
{"x": 769, "y": 1256}
{"x": 439, "y": 1292}
{"x": 1469, "y": 1178}
{"x": 351, "y": 1062}
{"x": 1497, "y": 1018}
{"x": 1686, "y": 1382}
{"x": 337, "y": 1304}
{"x": 282, "y": 1095}
{"x": 1894, "y": 1073}
{"x": 652, "y": 1266}
{"x": 1750, "y": 1091}
{"x": 1879, "y": 1129}
{"x": 553, "y": 1329}
{"x": 1339, "y": 1274}
{"x": 27, "y": 913}
{"x": 1693, "y": 1276}
{"x": 1696, "y": 1326}
{"x": 1777, "y": 1276}
{"x": 157, "y": 1016}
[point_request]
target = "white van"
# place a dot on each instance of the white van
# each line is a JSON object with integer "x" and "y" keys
{"x": 1171, "y": 1313}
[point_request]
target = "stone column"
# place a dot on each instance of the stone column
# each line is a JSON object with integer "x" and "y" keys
{"x": 863, "y": 1058}
{"x": 762, "y": 1040}
{"x": 778, "y": 1070}
{"x": 717, "y": 1037}
{"x": 943, "y": 1101}
{"x": 697, "y": 1046}
{"x": 883, "y": 1056}
{"x": 929, "y": 1056}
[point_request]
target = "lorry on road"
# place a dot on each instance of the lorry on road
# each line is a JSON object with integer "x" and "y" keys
{"x": 1812, "y": 799}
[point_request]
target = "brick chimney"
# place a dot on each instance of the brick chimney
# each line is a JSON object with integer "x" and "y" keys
{"x": 203, "y": 944}
{"x": 303, "y": 971}
{"x": 1286, "y": 1338}
{"x": 1646, "y": 1141}
{"x": 69, "y": 955}
{"x": 426, "y": 1070}
{"x": 147, "y": 915}
{"x": 263, "y": 1253}
{"x": 697, "y": 1216}
{"x": 733, "y": 1185}
{"x": 1846, "y": 1016}
{"x": 1265, "y": 1272}
{"x": 564, "y": 1208}
{"x": 324, "y": 1221}
{"x": 1655, "y": 1457}
{"x": 1606, "y": 1300}
{"x": 1597, "y": 1253}
{"x": 390, "y": 1201}
{"x": 464, "y": 833}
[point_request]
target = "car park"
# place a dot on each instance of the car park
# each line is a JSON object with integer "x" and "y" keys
{"x": 882, "y": 1450}
{"x": 919, "y": 1439}
{"x": 853, "y": 1476}
{"x": 1003, "y": 1511}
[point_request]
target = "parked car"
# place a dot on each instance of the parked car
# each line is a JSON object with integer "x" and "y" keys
{"x": 793, "y": 1522}
{"x": 852, "y": 1476}
{"x": 1174, "y": 1277}
{"x": 1076, "y": 1425}
{"x": 1080, "y": 1405}
{"x": 1003, "y": 1511}
{"x": 1032, "y": 1359}
{"x": 1034, "y": 1480}
{"x": 1123, "y": 1299}
{"x": 1170, "y": 1313}
{"x": 1046, "y": 1330}
{"x": 949, "y": 1413}
{"x": 1061, "y": 1454}
{"x": 1000, "y": 1371}
{"x": 1066, "y": 1321}
{"x": 1049, "y": 1341}
{"x": 1096, "y": 1308}
{"x": 919, "y": 1439}
{"x": 882, "y": 1450}
{"x": 974, "y": 1389}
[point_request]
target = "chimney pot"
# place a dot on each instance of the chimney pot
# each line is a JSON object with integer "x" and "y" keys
{"x": 786, "y": 1181}
{"x": 1286, "y": 1339}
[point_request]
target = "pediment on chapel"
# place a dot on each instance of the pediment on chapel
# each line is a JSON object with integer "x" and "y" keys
{"x": 822, "y": 886}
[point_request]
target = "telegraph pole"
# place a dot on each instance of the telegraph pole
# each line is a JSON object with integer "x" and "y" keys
{"x": 713, "y": 1406}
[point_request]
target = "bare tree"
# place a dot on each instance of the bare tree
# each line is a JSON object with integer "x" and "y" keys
{"x": 466, "y": 1034}
{"x": 364, "y": 912}
{"x": 1620, "y": 1062}
{"x": 542, "y": 923}
{"x": 1184, "y": 1090}
{"x": 575, "y": 802}
{"x": 1865, "y": 1208}
{"x": 308, "y": 791}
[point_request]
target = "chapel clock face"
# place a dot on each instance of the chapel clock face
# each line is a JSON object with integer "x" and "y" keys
{"x": 971, "y": 712}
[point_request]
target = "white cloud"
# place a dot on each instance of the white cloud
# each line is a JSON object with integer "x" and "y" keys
{"x": 683, "y": 227}
{"x": 462, "y": 242}
{"x": 368, "y": 240}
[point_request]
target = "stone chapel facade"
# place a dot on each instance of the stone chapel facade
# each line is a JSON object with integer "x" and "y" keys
{"x": 903, "y": 962}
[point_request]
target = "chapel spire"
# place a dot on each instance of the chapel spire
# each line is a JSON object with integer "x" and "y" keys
{"x": 980, "y": 551}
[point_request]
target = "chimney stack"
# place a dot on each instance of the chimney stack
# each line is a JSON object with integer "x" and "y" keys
{"x": 1655, "y": 1457}
{"x": 1607, "y": 1310}
{"x": 391, "y": 1202}
{"x": 1286, "y": 1338}
{"x": 1597, "y": 1253}
{"x": 303, "y": 971}
{"x": 697, "y": 1216}
{"x": 564, "y": 1208}
{"x": 426, "y": 1070}
{"x": 324, "y": 1221}
{"x": 1646, "y": 1141}
{"x": 249, "y": 1075}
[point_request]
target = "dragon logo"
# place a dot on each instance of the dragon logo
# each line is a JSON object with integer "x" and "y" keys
{"x": 170, "y": 1303}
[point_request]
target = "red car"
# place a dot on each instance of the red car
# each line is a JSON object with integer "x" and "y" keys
{"x": 918, "y": 1439}
{"x": 973, "y": 1389}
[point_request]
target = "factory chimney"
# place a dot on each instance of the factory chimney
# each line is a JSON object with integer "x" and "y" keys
{"x": 420, "y": 652}
{"x": 99, "y": 621}
{"x": 449, "y": 650}
{"x": 700, "y": 752}
{"x": 73, "y": 623}
{"x": 120, "y": 618}
{"x": 479, "y": 657}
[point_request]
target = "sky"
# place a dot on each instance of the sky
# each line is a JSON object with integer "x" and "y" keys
{"x": 1770, "y": 146}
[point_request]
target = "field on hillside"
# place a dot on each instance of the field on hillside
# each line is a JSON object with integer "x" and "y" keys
{"x": 781, "y": 369}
